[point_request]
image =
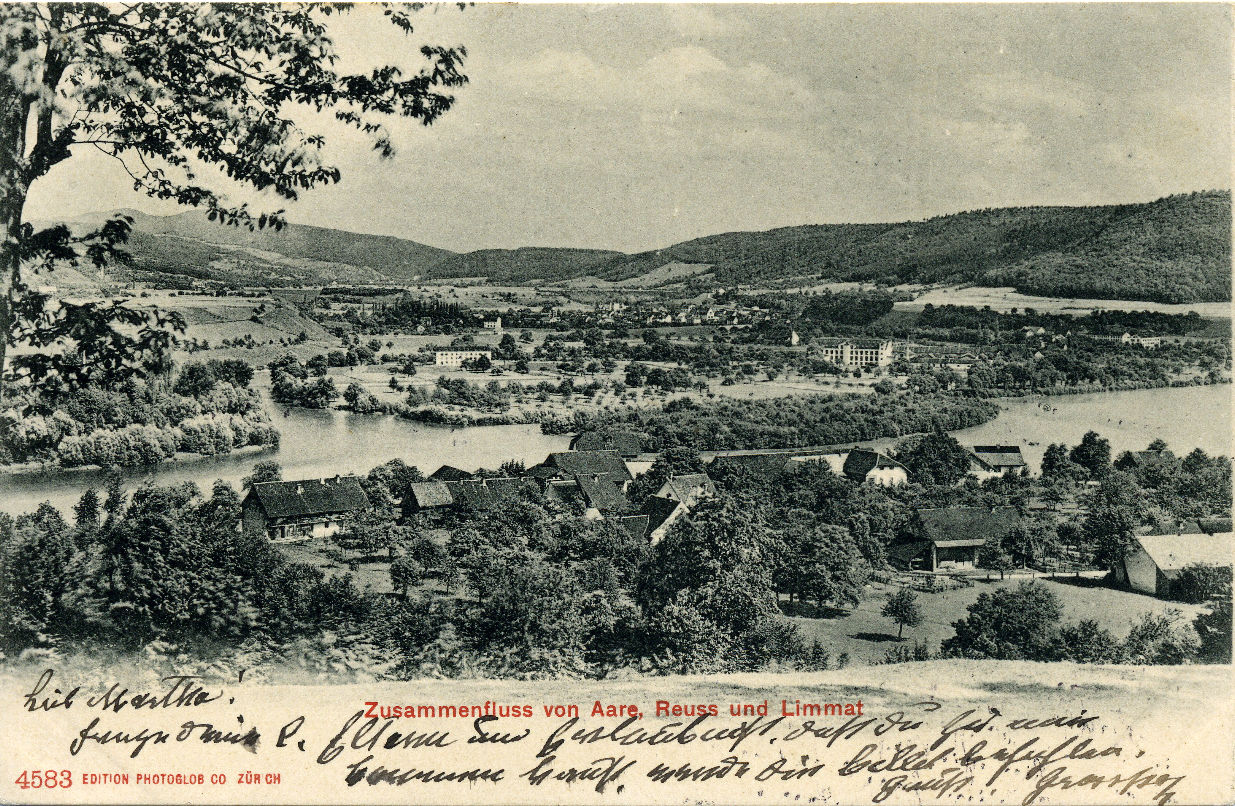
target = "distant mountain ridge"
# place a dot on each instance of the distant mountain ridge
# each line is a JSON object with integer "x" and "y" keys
{"x": 1175, "y": 249}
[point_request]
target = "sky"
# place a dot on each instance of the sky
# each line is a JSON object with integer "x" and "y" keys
{"x": 633, "y": 127}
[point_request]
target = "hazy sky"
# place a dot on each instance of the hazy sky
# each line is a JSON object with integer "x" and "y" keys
{"x": 633, "y": 127}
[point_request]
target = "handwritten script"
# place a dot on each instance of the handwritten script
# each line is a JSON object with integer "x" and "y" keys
{"x": 925, "y": 750}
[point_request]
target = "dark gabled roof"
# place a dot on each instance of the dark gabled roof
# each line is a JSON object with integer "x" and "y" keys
{"x": 486, "y": 493}
{"x": 636, "y": 525}
{"x": 625, "y": 443}
{"x": 600, "y": 492}
{"x": 769, "y": 465}
{"x": 590, "y": 463}
{"x": 999, "y": 455}
{"x": 292, "y": 499}
{"x": 563, "y": 490}
{"x": 860, "y": 461}
{"x": 429, "y": 494}
{"x": 542, "y": 471}
{"x": 684, "y": 486}
{"x": 951, "y": 524}
{"x": 658, "y": 510}
{"x": 449, "y": 473}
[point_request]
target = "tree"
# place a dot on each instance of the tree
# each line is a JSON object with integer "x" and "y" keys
{"x": 1214, "y": 628}
{"x": 266, "y": 470}
{"x": 1093, "y": 453}
{"x": 1198, "y": 583}
{"x": 1008, "y": 624}
{"x": 405, "y": 572}
{"x": 995, "y": 556}
{"x": 934, "y": 459}
{"x": 902, "y": 607}
{"x": 170, "y": 89}
{"x": 1056, "y": 464}
{"x": 86, "y": 511}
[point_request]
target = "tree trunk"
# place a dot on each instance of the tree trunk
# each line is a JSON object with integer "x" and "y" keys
{"x": 900, "y": 631}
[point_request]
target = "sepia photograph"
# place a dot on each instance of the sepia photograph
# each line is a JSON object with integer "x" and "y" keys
{"x": 616, "y": 403}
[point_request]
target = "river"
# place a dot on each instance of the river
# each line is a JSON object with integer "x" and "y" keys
{"x": 1185, "y": 417}
{"x": 316, "y": 444}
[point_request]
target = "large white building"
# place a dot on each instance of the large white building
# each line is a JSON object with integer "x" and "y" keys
{"x": 858, "y": 353}
{"x": 455, "y": 358}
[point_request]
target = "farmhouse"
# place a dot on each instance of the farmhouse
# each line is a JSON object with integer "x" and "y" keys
{"x": 951, "y": 537}
{"x": 455, "y": 358}
{"x": 661, "y": 513}
{"x": 474, "y": 494}
{"x": 862, "y": 465}
{"x": 449, "y": 473}
{"x": 989, "y": 461}
{"x": 688, "y": 488}
{"x": 1156, "y": 560}
{"x": 625, "y": 443}
{"x": 568, "y": 464}
{"x": 288, "y": 511}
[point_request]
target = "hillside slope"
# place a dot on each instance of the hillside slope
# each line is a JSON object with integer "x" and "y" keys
{"x": 1175, "y": 249}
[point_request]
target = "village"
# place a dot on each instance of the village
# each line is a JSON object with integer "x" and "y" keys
{"x": 940, "y": 551}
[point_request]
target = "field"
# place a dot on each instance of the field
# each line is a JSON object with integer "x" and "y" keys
{"x": 1005, "y": 299}
{"x": 866, "y": 635}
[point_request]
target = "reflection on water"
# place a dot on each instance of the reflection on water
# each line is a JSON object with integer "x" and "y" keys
{"x": 314, "y": 444}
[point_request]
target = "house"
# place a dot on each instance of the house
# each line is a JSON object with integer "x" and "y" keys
{"x": 688, "y": 488}
{"x": 862, "y": 465}
{"x": 951, "y": 537}
{"x": 989, "y": 461}
{"x": 425, "y": 495}
{"x": 475, "y": 494}
{"x": 625, "y": 443}
{"x": 494, "y": 325}
{"x": 661, "y": 513}
{"x": 1131, "y": 460}
{"x": 767, "y": 465}
{"x": 1156, "y": 560}
{"x": 290, "y": 511}
{"x": 449, "y": 473}
{"x": 601, "y": 496}
{"x": 456, "y": 358}
{"x": 568, "y": 464}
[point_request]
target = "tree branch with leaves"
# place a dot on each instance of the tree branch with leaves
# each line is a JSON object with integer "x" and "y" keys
{"x": 173, "y": 91}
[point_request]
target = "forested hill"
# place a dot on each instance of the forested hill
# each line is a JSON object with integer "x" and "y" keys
{"x": 1176, "y": 249}
{"x": 522, "y": 265}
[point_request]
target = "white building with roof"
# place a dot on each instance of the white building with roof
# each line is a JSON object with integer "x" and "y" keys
{"x": 1156, "y": 560}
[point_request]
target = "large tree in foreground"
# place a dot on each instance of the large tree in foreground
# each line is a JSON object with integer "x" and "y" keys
{"x": 175, "y": 92}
